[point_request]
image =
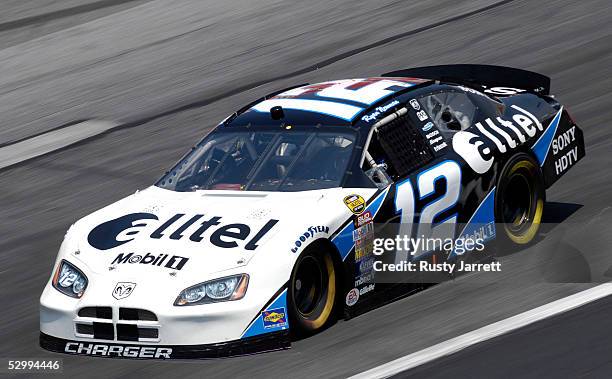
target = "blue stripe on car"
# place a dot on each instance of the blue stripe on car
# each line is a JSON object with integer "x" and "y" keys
{"x": 542, "y": 145}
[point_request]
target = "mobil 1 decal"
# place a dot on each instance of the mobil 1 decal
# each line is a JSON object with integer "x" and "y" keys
{"x": 562, "y": 151}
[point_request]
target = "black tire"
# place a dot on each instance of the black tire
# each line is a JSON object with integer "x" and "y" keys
{"x": 519, "y": 200}
{"x": 312, "y": 291}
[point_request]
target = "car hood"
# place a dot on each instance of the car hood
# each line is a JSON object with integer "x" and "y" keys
{"x": 157, "y": 231}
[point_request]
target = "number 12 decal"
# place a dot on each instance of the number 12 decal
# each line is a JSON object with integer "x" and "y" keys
{"x": 405, "y": 200}
{"x": 336, "y": 98}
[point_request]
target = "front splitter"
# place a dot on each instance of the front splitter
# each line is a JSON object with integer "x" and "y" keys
{"x": 252, "y": 345}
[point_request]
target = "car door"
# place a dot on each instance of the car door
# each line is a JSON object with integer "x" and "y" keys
{"x": 424, "y": 186}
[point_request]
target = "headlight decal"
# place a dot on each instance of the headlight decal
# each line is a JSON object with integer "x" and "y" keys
{"x": 69, "y": 280}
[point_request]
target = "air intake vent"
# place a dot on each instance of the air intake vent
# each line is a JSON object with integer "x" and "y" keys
{"x": 96, "y": 312}
{"x": 103, "y": 331}
{"x": 135, "y": 314}
{"x": 130, "y": 332}
{"x": 85, "y": 329}
{"x": 148, "y": 333}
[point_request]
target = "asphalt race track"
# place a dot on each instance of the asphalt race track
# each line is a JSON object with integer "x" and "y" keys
{"x": 170, "y": 70}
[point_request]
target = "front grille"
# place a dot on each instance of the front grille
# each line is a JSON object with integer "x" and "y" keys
{"x": 127, "y": 332}
{"x": 97, "y": 312}
{"x": 103, "y": 330}
{"x": 137, "y": 325}
{"x": 86, "y": 329}
{"x": 130, "y": 332}
{"x": 135, "y": 314}
{"x": 148, "y": 333}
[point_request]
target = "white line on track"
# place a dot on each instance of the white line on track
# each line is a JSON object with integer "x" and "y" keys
{"x": 51, "y": 141}
{"x": 487, "y": 332}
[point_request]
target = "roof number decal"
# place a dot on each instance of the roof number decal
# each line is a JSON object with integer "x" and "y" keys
{"x": 343, "y": 99}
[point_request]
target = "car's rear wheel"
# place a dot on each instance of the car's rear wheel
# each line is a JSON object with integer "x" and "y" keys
{"x": 312, "y": 291}
{"x": 519, "y": 199}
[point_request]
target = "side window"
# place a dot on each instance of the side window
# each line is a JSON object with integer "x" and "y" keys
{"x": 395, "y": 150}
{"x": 451, "y": 111}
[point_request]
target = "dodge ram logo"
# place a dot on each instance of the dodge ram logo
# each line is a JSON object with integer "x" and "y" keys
{"x": 123, "y": 290}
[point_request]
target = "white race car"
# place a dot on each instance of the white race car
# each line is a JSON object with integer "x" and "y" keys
{"x": 267, "y": 223}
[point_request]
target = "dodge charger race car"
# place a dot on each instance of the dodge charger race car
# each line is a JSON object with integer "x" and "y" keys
{"x": 265, "y": 226}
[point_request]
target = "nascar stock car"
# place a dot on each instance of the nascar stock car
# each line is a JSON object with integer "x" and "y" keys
{"x": 260, "y": 228}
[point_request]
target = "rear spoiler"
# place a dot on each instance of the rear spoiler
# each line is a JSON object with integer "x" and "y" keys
{"x": 482, "y": 75}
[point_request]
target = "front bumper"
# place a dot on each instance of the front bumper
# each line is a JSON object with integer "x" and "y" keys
{"x": 68, "y": 318}
{"x": 98, "y": 326}
{"x": 110, "y": 349}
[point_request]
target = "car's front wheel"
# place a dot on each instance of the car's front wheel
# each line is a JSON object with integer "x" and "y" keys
{"x": 312, "y": 291}
{"x": 519, "y": 199}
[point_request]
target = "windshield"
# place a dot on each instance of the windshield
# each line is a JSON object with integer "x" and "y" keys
{"x": 287, "y": 160}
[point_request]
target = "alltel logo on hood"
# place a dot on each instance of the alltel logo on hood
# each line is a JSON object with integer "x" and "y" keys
{"x": 124, "y": 229}
{"x": 504, "y": 134}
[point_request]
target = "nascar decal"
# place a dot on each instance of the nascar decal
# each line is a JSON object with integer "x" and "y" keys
{"x": 364, "y": 231}
{"x": 363, "y": 236}
{"x": 421, "y": 114}
{"x": 506, "y": 135}
{"x": 427, "y": 127}
{"x": 365, "y": 278}
{"x": 503, "y": 91}
{"x": 364, "y": 247}
{"x": 274, "y": 318}
{"x": 343, "y": 99}
{"x": 355, "y": 203}
{"x": 352, "y": 297}
{"x": 435, "y": 139}
{"x": 481, "y": 224}
{"x": 126, "y": 228}
{"x": 365, "y": 289}
{"x": 362, "y": 219}
{"x": 379, "y": 110}
{"x": 565, "y": 150}
{"x": 344, "y": 238}
{"x": 173, "y": 262}
{"x": 364, "y": 271}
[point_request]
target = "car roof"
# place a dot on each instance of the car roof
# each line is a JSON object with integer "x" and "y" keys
{"x": 336, "y": 102}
